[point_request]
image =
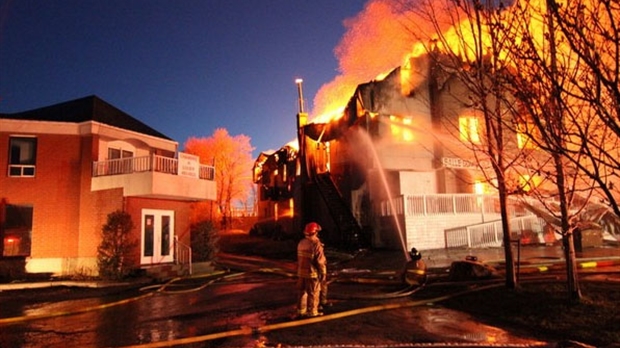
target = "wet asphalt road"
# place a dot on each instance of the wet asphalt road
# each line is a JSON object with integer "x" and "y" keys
{"x": 245, "y": 310}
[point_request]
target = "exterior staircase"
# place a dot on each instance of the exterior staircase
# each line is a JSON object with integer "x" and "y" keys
{"x": 163, "y": 272}
{"x": 348, "y": 227}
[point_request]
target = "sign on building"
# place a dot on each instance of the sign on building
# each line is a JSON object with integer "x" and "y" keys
{"x": 189, "y": 165}
{"x": 455, "y": 162}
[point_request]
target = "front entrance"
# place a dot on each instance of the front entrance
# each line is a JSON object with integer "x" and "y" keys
{"x": 157, "y": 236}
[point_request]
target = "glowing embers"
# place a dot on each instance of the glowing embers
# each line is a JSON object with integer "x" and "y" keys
{"x": 401, "y": 128}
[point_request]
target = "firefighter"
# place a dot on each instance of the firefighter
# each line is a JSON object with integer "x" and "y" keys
{"x": 414, "y": 273}
{"x": 311, "y": 271}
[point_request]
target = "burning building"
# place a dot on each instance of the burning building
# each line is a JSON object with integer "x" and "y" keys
{"x": 398, "y": 167}
{"x": 390, "y": 171}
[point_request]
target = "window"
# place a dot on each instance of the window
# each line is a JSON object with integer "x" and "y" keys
{"x": 526, "y": 132}
{"x": 17, "y": 230}
{"x": 528, "y": 183}
{"x": 118, "y": 153}
{"x": 401, "y": 128}
{"x": 120, "y": 161}
{"x": 114, "y": 153}
{"x": 22, "y": 156}
{"x": 469, "y": 129}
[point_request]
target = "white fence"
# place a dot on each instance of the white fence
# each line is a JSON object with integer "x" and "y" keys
{"x": 440, "y": 204}
{"x": 458, "y": 220}
{"x": 490, "y": 234}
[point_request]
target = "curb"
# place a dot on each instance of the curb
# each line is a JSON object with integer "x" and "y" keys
{"x": 67, "y": 283}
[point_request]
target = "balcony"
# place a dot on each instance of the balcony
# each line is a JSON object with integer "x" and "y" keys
{"x": 156, "y": 177}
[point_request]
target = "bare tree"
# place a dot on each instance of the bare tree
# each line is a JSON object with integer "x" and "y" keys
{"x": 541, "y": 82}
{"x": 561, "y": 64}
{"x": 572, "y": 63}
{"x": 471, "y": 49}
{"x": 232, "y": 158}
{"x": 591, "y": 29}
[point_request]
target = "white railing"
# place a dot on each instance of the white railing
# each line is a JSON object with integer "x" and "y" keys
{"x": 183, "y": 254}
{"x": 440, "y": 204}
{"x": 242, "y": 211}
{"x": 152, "y": 163}
{"x": 490, "y": 234}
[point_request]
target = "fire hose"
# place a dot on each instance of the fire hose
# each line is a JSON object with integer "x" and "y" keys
{"x": 254, "y": 331}
{"x": 165, "y": 288}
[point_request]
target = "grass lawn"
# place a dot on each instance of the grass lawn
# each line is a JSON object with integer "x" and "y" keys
{"x": 544, "y": 307}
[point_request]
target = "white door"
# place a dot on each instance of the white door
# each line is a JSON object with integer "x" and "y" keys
{"x": 157, "y": 244}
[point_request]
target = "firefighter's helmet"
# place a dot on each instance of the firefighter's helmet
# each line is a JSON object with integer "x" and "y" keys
{"x": 312, "y": 228}
{"x": 415, "y": 254}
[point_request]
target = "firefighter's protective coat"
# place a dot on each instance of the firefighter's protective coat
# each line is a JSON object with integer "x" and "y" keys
{"x": 311, "y": 269}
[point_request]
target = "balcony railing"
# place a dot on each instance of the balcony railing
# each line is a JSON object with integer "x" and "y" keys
{"x": 153, "y": 163}
{"x": 440, "y": 204}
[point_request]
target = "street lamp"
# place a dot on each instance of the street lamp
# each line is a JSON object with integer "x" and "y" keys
{"x": 301, "y": 95}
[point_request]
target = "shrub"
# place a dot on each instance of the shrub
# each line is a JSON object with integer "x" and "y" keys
{"x": 204, "y": 241}
{"x": 114, "y": 252}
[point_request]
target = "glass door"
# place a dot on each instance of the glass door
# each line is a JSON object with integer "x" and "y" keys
{"x": 157, "y": 236}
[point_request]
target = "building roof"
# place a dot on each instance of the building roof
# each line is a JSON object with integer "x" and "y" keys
{"x": 90, "y": 108}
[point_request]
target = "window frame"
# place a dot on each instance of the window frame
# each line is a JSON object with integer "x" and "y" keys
{"x": 18, "y": 168}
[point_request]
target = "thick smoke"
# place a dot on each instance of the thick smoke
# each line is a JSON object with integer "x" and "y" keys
{"x": 376, "y": 41}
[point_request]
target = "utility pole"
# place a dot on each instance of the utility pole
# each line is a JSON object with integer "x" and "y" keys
{"x": 302, "y": 119}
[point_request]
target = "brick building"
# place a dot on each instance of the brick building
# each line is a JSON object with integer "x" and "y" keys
{"x": 69, "y": 165}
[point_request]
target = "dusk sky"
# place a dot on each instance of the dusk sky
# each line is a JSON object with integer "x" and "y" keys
{"x": 185, "y": 67}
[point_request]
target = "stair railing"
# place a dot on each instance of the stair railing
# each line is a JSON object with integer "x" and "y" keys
{"x": 183, "y": 254}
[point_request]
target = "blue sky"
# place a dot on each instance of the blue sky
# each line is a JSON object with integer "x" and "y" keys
{"x": 184, "y": 67}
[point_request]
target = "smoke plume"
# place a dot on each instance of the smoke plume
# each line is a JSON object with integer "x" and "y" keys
{"x": 375, "y": 42}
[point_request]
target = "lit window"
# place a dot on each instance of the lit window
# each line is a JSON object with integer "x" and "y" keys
{"x": 525, "y": 132}
{"x": 22, "y": 156}
{"x": 394, "y": 127}
{"x": 479, "y": 187}
{"x": 469, "y": 129}
{"x": 407, "y": 132}
{"x": 401, "y": 128}
{"x": 529, "y": 183}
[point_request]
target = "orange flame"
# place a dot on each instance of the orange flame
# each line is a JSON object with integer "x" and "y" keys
{"x": 375, "y": 41}
{"x": 390, "y": 33}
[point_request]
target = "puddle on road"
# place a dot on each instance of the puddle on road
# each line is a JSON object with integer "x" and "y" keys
{"x": 458, "y": 326}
